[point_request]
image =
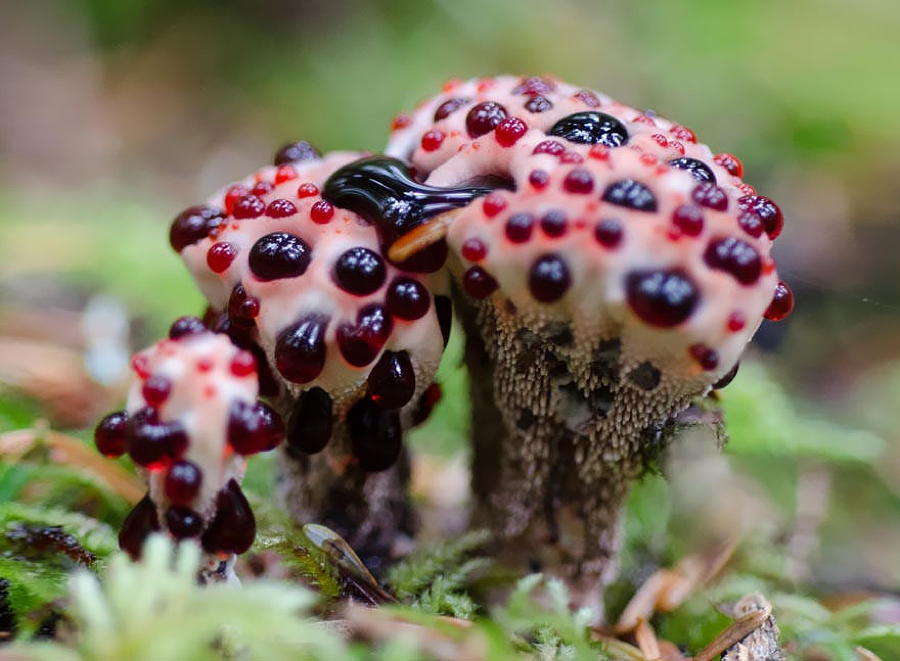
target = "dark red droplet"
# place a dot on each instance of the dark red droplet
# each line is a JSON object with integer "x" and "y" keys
{"x": 448, "y": 107}
{"x": 156, "y": 390}
{"x": 473, "y": 250}
{"x": 549, "y": 278}
{"x": 707, "y": 194}
{"x": 782, "y": 303}
{"x": 184, "y": 326}
{"x": 279, "y": 255}
{"x": 443, "y": 307}
{"x": 359, "y": 271}
{"x": 662, "y": 298}
{"x": 153, "y": 443}
{"x": 554, "y": 223}
{"x": 296, "y": 151}
{"x": 192, "y": 225}
{"x": 579, "y": 181}
{"x": 310, "y": 423}
{"x": 688, "y": 218}
{"x": 111, "y": 434}
{"x": 262, "y": 188}
{"x": 140, "y": 522}
{"x": 609, "y": 232}
{"x": 519, "y": 227}
{"x": 253, "y": 427}
{"x": 731, "y": 163}
{"x": 183, "y": 522}
{"x": 509, "y": 131}
{"x": 360, "y": 342}
{"x": 376, "y": 436}
{"x": 300, "y": 349}
{"x": 551, "y": 147}
{"x": 539, "y": 179}
{"x": 630, "y": 194}
{"x": 392, "y": 382}
{"x": 407, "y": 299}
{"x": 280, "y": 208}
{"x": 478, "y": 283}
{"x": 706, "y": 357}
{"x": 242, "y": 309}
{"x": 483, "y": 117}
{"x": 533, "y": 85}
{"x": 233, "y": 527}
{"x": 751, "y": 223}
{"x": 735, "y": 257}
{"x": 537, "y": 104}
{"x": 220, "y": 255}
{"x": 243, "y": 364}
{"x": 249, "y": 206}
{"x": 493, "y": 204}
{"x": 427, "y": 401}
{"x": 767, "y": 210}
{"x": 182, "y": 483}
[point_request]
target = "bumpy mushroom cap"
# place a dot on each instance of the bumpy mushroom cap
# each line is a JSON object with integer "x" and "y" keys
{"x": 191, "y": 419}
{"x": 350, "y": 335}
{"x": 621, "y": 224}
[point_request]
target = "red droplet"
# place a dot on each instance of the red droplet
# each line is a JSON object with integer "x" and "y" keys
{"x": 782, "y": 303}
{"x": 156, "y": 390}
{"x": 688, "y": 218}
{"x": 538, "y": 179}
{"x": 139, "y": 365}
{"x": 280, "y": 209}
{"x": 660, "y": 139}
{"x": 731, "y": 163}
{"x": 683, "y": 133}
{"x": 571, "y": 157}
{"x": 579, "y": 181}
{"x": 509, "y": 131}
{"x": 243, "y": 364}
{"x": 285, "y": 173}
{"x": 493, "y": 204}
{"x": 262, "y": 188}
{"x": 432, "y": 140}
{"x": 233, "y": 194}
{"x": 599, "y": 152}
{"x": 588, "y": 98}
{"x": 220, "y": 255}
{"x": 401, "y": 121}
{"x": 705, "y": 356}
{"x": 644, "y": 119}
{"x": 736, "y": 321}
{"x": 321, "y": 212}
{"x": 249, "y": 206}
{"x": 474, "y": 250}
{"x": 307, "y": 190}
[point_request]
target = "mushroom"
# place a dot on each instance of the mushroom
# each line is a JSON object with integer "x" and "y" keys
{"x": 191, "y": 419}
{"x": 348, "y": 342}
{"x": 619, "y": 281}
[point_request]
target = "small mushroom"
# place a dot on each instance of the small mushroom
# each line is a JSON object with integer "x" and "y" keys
{"x": 348, "y": 342}
{"x": 191, "y": 419}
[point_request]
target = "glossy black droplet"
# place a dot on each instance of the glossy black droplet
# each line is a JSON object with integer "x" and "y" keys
{"x": 590, "y": 128}
{"x": 152, "y": 442}
{"x": 382, "y": 190}
{"x": 139, "y": 523}
{"x": 111, "y": 434}
{"x": 549, "y": 278}
{"x": 183, "y": 522}
{"x": 192, "y": 225}
{"x": 375, "y": 434}
{"x": 184, "y": 326}
{"x": 728, "y": 377}
{"x": 697, "y": 168}
{"x": 253, "y": 427}
{"x": 310, "y": 422}
{"x": 233, "y": 527}
{"x": 361, "y": 342}
{"x": 736, "y": 257}
{"x": 300, "y": 349}
{"x": 392, "y": 382}
{"x": 407, "y": 299}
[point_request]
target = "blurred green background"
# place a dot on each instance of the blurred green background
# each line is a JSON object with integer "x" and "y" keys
{"x": 116, "y": 114}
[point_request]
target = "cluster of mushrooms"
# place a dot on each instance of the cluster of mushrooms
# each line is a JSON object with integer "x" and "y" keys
{"x": 606, "y": 268}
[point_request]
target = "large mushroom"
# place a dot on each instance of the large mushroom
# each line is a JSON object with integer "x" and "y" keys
{"x": 348, "y": 342}
{"x": 191, "y": 419}
{"x": 619, "y": 280}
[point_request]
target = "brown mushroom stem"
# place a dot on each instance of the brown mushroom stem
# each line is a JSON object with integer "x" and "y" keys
{"x": 553, "y": 460}
{"x": 371, "y": 511}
